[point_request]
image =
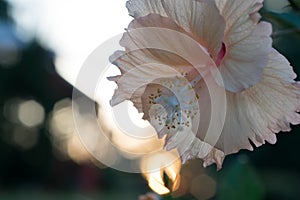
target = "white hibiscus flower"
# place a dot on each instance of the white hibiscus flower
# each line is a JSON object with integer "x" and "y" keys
{"x": 168, "y": 70}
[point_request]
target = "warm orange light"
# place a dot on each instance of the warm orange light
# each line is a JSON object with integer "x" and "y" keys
{"x": 154, "y": 167}
{"x": 76, "y": 150}
{"x": 157, "y": 184}
{"x": 70, "y": 143}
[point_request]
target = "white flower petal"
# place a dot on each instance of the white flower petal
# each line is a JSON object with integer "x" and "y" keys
{"x": 200, "y": 18}
{"x": 247, "y": 43}
{"x": 237, "y": 12}
{"x": 262, "y": 110}
{"x": 184, "y": 140}
{"x": 155, "y": 47}
{"x": 141, "y": 8}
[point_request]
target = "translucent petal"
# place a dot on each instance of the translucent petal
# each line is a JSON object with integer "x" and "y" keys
{"x": 248, "y": 44}
{"x": 262, "y": 110}
{"x": 194, "y": 16}
{"x": 155, "y": 47}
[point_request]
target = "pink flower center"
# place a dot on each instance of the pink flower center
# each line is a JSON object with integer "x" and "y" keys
{"x": 221, "y": 55}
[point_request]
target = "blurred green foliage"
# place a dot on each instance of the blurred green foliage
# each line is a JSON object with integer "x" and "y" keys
{"x": 295, "y": 4}
{"x": 240, "y": 181}
{"x": 286, "y": 20}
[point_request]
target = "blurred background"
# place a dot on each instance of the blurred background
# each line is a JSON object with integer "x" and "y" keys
{"x": 42, "y": 158}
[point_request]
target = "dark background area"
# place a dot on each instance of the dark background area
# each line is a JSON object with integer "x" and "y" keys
{"x": 270, "y": 172}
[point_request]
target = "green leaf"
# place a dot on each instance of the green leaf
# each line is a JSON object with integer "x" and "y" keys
{"x": 295, "y": 4}
{"x": 290, "y": 19}
{"x": 240, "y": 182}
{"x": 168, "y": 197}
